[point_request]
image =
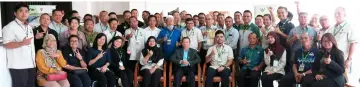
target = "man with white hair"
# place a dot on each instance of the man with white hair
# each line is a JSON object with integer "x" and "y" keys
{"x": 324, "y": 22}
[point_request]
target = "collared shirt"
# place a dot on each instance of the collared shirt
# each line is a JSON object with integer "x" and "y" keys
{"x": 111, "y": 34}
{"x": 299, "y": 30}
{"x": 195, "y": 36}
{"x": 306, "y": 58}
{"x": 16, "y": 31}
{"x": 285, "y": 27}
{"x": 254, "y": 55}
{"x": 231, "y": 37}
{"x": 221, "y": 28}
{"x": 59, "y": 28}
{"x": 63, "y": 39}
{"x": 185, "y": 57}
{"x": 174, "y": 37}
{"x": 221, "y": 57}
{"x": 279, "y": 68}
{"x": 136, "y": 43}
{"x": 100, "y": 27}
{"x": 149, "y": 32}
{"x": 264, "y": 40}
{"x": 243, "y": 35}
{"x": 238, "y": 27}
{"x": 209, "y": 38}
{"x": 90, "y": 37}
{"x": 344, "y": 35}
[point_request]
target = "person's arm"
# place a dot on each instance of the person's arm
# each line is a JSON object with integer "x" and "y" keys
{"x": 197, "y": 59}
{"x": 337, "y": 66}
{"x": 91, "y": 58}
{"x": 161, "y": 36}
{"x": 273, "y": 20}
{"x": 41, "y": 65}
{"x": 208, "y": 56}
{"x": 261, "y": 59}
{"x": 290, "y": 40}
{"x": 267, "y": 59}
{"x": 297, "y": 7}
{"x": 230, "y": 58}
{"x": 351, "y": 50}
{"x": 200, "y": 39}
{"x": 294, "y": 69}
{"x": 241, "y": 56}
{"x": 174, "y": 58}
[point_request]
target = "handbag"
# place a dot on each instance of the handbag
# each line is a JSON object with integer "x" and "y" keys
{"x": 79, "y": 71}
{"x": 55, "y": 76}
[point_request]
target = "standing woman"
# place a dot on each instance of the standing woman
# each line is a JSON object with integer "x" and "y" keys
{"x": 73, "y": 30}
{"x": 98, "y": 59}
{"x": 275, "y": 60}
{"x": 119, "y": 60}
{"x": 152, "y": 62}
{"x": 328, "y": 71}
{"x": 77, "y": 76}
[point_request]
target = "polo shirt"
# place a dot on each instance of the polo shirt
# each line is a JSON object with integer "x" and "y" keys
{"x": 16, "y": 31}
{"x": 136, "y": 43}
{"x": 59, "y": 28}
{"x": 195, "y": 36}
{"x": 299, "y": 31}
{"x": 244, "y": 33}
{"x": 149, "y": 32}
{"x": 222, "y": 55}
{"x": 254, "y": 55}
{"x": 172, "y": 35}
{"x": 209, "y": 38}
{"x": 231, "y": 37}
{"x": 238, "y": 27}
{"x": 100, "y": 27}
{"x": 111, "y": 34}
{"x": 285, "y": 27}
{"x": 306, "y": 58}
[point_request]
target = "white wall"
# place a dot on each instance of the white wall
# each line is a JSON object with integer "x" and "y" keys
{"x": 94, "y": 7}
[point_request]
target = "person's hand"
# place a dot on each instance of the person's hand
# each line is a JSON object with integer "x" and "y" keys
{"x": 60, "y": 72}
{"x": 295, "y": 36}
{"x": 177, "y": 44}
{"x": 39, "y": 35}
{"x": 297, "y": 3}
{"x": 298, "y": 77}
{"x": 152, "y": 70}
{"x": 270, "y": 52}
{"x": 103, "y": 69}
{"x": 263, "y": 30}
{"x": 256, "y": 69}
{"x": 269, "y": 73}
{"x": 185, "y": 62}
{"x": 212, "y": 52}
{"x": 54, "y": 54}
{"x": 270, "y": 9}
{"x": 347, "y": 63}
{"x": 27, "y": 41}
{"x": 277, "y": 30}
{"x": 319, "y": 77}
{"x": 244, "y": 61}
{"x": 220, "y": 69}
{"x": 318, "y": 36}
{"x": 150, "y": 52}
{"x": 205, "y": 33}
{"x": 101, "y": 54}
{"x": 78, "y": 55}
{"x": 327, "y": 60}
{"x": 131, "y": 34}
{"x": 122, "y": 68}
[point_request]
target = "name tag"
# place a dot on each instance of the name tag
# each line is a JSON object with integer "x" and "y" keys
{"x": 276, "y": 63}
{"x": 137, "y": 42}
{"x": 301, "y": 67}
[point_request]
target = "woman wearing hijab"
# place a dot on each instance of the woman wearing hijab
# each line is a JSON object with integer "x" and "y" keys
{"x": 275, "y": 60}
{"x": 328, "y": 69}
{"x": 151, "y": 62}
{"x": 119, "y": 62}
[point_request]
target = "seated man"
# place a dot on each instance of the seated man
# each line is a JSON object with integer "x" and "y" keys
{"x": 250, "y": 59}
{"x": 185, "y": 60}
{"x": 221, "y": 57}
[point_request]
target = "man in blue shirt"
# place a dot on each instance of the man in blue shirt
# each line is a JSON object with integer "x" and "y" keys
{"x": 250, "y": 59}
{"x": 169, "y": 37}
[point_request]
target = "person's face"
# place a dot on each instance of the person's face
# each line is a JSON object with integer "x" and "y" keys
{"x": 259, "y": 21}
{"x": 219, "y": 38}
{"x": 267, "y": 21}
{"x": 134, "y": 13}
{"x": 209, "y": 20}
{"x": 237, "y": 17}
{"x": 169, "y": 22}
{"x": 186, "y": 43}
{"x": 152, "y": 43}
{"x": 133, "y": 23}
{"x": 103, "y": 17}
{"x": 271, "y": 39}
{"x": 220, "y": 19}
{"x": 89, "y": 26}
{"x": 215, "y": 15}
{"x": 127, "y": 16}
{"x": 145, "y": 15}
{"x": 101, "y": 41}
{"x": 314, "y": 20}
{"x": 339, "y": 15}
{"x": 326, "y": 43}
{"x": 282, "y": 14}
{"x": 22, "y": 14}
{"x": 228, "y": 22}
{"x": 176, "y": 16}
{"x": 252, "y": 39}
{"x": 74, "y": 24}
{"x": 189, "y": 24}
{"x": 158, "y": 17}
{"x": 74, "y": 42}
{"x": 247, "y": 17}
{"x": 87, "y": 17}
{"x": 196, "y": 20}
{"x": 51, "y": 43}
{"x": 302, "y": 19}
{"x": 152, "y": 21}
{"x": 57, "y": 16}
{"x": 201, "y": 19}
{"x": 117, "y": 43}
{"x": 113, "y": 25}
{"x": 183, "y": 15}
{"x": 113, "y": 16}
{"x": 324, "y": 22}
{"x": 45, "y": 20}
{"x": 76, "y": 15}
{"x": 305, "y": 40}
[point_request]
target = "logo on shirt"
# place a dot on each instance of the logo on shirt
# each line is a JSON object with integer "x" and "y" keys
{"x": 311, "y": 54}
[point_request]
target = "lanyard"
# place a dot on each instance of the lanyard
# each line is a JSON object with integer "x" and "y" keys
{"x": 220, "y": 51}
{"x": 188, "y": 33}
{"x": 169, "y": 35}
{"x": 250, "y": 54}
{"x": 54, "y": 24}
{"x": 227, "y": 33}
{"x": 340, "y": 29}
{"x": 119, "y": 53}
{"x": 101, "y": 26}
{"x": 137, "y": 33}
{"x": 304, "y": 57}
{"x": 283, "y": 24}
{"x": 245, "y": 27}
{"x": 24, "y": 29}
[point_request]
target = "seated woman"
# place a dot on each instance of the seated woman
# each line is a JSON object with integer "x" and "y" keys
{"x": 152, "y": 62}
{"x": 275, "y": 60}
{"x": 75, "y": 57}
{"x": 49, "y": 60}
{"x": 328, "y": 71}
{"x": 119, "y": 62}
{"x": 98, "y": 59}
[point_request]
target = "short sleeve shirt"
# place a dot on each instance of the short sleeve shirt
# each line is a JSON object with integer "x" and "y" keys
{"x": 306, "y": 58}
{"x": 299, "y": 30}
{"x": 195, "y": 36}
{"x": 59, "y": 28}
{"x": 99, "y": 27}
{"x": 222, "y": 55}
{"x": 136, "y": 43}
{"x": 209, "y": 38}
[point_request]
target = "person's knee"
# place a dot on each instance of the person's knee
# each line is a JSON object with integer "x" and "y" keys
{"x": 52, "y": 84}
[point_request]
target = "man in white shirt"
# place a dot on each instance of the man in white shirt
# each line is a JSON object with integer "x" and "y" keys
{"x": 136, "y": 40}
{"x": 347, "y": 40}
{"x": 220, "y": 21}
{"x": 193, "y": 33}
{"x": 231, "y": 34}
{"x": 57, "y": 16}
{"x": 103, "y": 24}
{"x": 111, "y": 33}
{"x": 151, "y": 30}
{"x": 18, "y": 39}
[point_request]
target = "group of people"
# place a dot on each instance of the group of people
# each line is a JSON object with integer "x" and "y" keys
{"x": 108, "y": 51}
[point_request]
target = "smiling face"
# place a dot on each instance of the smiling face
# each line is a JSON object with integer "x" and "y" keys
{"x": 113, "y": 24}
{"x": 152, "y": 43}
{"x": 152, "y": 21}
{"x": 45, "y": 20}
{"x": 117, "y": 43}
{"x": 51, "y": 42}
{"x": 282, "y": 14}
{"x": 219, "y": 38}
{"x": 101, "y": 41}
{"x": 267, "y": 20}
{"x": 74, "y": 24}
{"x": 326, "y": 43}
{"x": 271, "y": 39}
{"x": 247, "y": 17}
{"x": 74, "y": 42}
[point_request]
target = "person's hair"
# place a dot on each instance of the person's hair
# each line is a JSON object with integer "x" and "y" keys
{"x": 88, "y": 20}
{"x": 238, "y": 12}
{"x": 215, "y": 12}
{"x": 188, "y": 19}
{"x": 201, "y": 14}
{"x": 259, "y": 16}
{"x": 74, "y": 18}
{"x": 112, "y": 19}
{"x": 275, "y": 36}
{"x": 156, "y": 14}
{"x": 290, "y": 16}
{"x": 116, "y": 38}
{"x": 282, "y": 7}
{"x": 46, "y": 39}
{"x": 219, "y": 32}
{"x": 303, "y": 13}
{"x": 331, "y": 38}
{"x": 133, "y": 17}
{"x": 341, "y": 8}
{"x": 189, "y": 14}
{"x": 98, "y": 36}
{"x": 247, "y": 11}
{"x": 182, "y": 40}
{"x": 72, "y": 36}
{"x": 132, "y": 10}
{"x": 72, "y": 12}
{"x": 148, "y": 40}
{"x": 168, "y": 17}
{"x": 147, "y": 12}
{"x": 151, "y": 16}
{"x": 87, "y": 15}
{"x": 111, "y": 13}
{"x": 43, "y": 14}
{"x": 126, "y": 11}
{"x": 174, "y": 12}
{"x": 103, "y": 11}
{"x": 220, "y": 15}
{"x": 254, "y": 34}
{"x": 229, "y": 17}
{"x": 268, "y": 15}
{"x": 55, "y": 10}
{"x": 19, "y": 5}
{"x": 195, "y": 16}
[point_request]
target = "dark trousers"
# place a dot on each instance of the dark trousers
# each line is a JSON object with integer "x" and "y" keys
{"x": 267, "y": 80}
{"x": 223, "y": 74}
{"x": 190, "y": 76}
{"x": 106, "y": 79}
{"x": 80, "y": 80}
{"x": 202, "y": 56}
{"x": 126, "y": 76}
{"x": 151, "y": 80}
{"x": 289, "y": 81}
{"x": 23, "y": 77}
{"x": 253, "y": 77}
{"x": 326, "y": 83}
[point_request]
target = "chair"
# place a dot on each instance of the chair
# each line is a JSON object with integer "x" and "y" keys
{"x": 183, "y": 79}
{"x": 138, "y": 78}
{"x": 218, "y": 78}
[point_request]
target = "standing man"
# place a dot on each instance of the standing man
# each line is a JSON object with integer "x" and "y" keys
{"x": 126, "y": 24}
{"x": 18, "y": 39}
{"x": 221, "y": 21}
{"x": 183, "y": 17}
{"x": 41, "y": 31}
{"x": 238, "y": 20}
{"x": 111, "y": 33}
{"x": 136, "y": 39}
{"x": 134, "y": 12}
{"x": 193, "y": 33}
{"x": 231, "y": 34}
{"x": 145, "y": 16}
{"x": 201, "y": 19}
{"x": 56, "y": 24}
{"x": 347, "y": 40}
{"x": 324, "y": 22}
{"x": 208, "y": 33}
{"x": 103, "y": 24}
{"x": 247, "y": 28}
{"x": 112, "y": 15}
{"x": 89, "y": 32}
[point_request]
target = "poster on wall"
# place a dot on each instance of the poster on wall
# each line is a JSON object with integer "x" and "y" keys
{"x": 264, "y": 9}
{"x": 36, "y": 11}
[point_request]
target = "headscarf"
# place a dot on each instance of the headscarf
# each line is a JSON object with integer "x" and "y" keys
{"x": 276, "y": 47}
{"x": 157, "y": 53}
{"x": 49, "y": 61}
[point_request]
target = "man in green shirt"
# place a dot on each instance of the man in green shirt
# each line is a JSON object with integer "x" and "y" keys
{"x": 89, "y": 32}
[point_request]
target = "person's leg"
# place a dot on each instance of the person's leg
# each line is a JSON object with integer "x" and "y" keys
{"x": 99, "y": 77}
{"x": 52, "y": 84}
{"x": 64, "y": 83}
{"x": 123, "y": 76}
{"x": 241, "y": 78}
{"x": 225, "y": 81}
{"x": 209, "y": 77}
{"x": 18, "y": 77}
{"x": 325, "y": 83}
{"x": 85, "y": 79}
{"x": 130, "y": 77}
{"x": 254, "y": 78}
{"x": 267, "y": 80}
{"x": 155, "y": 78}
{"x": 145, "y": 73}
{"x": 190, "y": 77}
{"x": 74, "y": 80}
{"x": 287, "y": 80}
{"x": 179, "y": 73}
{"x": 307, "y": 81}
{"x": 111, "y": 80}
{"x": 31, "y": 77}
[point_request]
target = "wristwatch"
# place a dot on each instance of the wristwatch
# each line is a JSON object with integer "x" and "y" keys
{"x": 303, "y": 74}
